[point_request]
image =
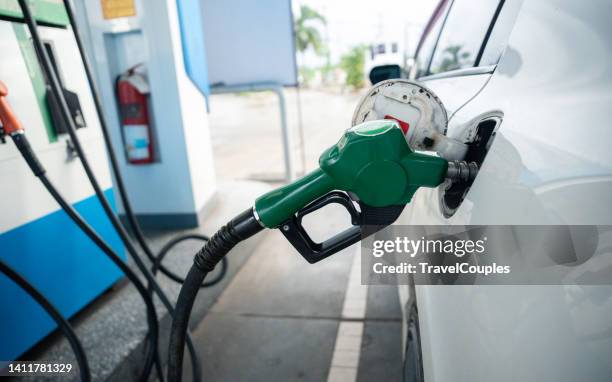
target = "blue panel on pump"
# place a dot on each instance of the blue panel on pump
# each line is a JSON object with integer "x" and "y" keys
{"x": 192, "y": 38}
{"x": 62, "y": 263}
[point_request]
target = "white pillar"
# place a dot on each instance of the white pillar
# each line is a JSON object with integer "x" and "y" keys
{"x": 174, "y": 189}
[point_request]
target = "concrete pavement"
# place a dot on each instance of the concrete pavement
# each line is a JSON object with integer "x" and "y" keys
{"x": 246, "y": 130}
{"x": 279, "y": 318}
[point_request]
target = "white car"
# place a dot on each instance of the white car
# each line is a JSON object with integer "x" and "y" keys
{"x": 385, "y": 56}
{"x": 535, "y": 77}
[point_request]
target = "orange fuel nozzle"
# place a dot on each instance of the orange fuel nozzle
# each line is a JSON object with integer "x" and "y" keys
{"x": 10, "y": 123}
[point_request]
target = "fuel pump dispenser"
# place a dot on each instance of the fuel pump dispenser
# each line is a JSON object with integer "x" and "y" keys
{"x": 30, "y": 220}
{"x": 12, "y": 127}
{"x": 372, "y": 171}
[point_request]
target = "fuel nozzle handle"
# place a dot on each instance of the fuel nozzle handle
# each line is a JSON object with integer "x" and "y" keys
{"x": 10, "y": 123}
{"x": 371, "y": 165}
{"x": 372, "y": 162}
{"x": 12, "y": 127}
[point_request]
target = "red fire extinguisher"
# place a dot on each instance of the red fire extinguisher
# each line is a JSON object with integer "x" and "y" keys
{"x": 132, "y": 95}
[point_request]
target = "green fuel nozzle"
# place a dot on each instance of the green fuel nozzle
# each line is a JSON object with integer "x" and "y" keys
{"x": 372, "y": 161}
{"x": 371, "y": 165}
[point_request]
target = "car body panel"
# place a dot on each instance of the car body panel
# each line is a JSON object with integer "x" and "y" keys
{"x": 457, "y": 91}
{"x": 550, "y": 163}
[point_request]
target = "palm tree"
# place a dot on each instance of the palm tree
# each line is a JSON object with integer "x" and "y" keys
{"x": 306, "y": 34}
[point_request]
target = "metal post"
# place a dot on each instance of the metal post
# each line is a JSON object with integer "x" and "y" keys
{"x": 286, "y": 134}
{"x": 289, "y": 173}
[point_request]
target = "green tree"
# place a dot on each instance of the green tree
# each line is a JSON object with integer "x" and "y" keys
{"x": 353, "y": 65}
{"x": 307, "y": 34}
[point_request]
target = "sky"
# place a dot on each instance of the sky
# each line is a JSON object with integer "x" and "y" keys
{"x": 355, "y": 22}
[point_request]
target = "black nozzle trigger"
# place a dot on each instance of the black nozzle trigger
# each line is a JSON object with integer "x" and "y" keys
{"x": 2, "y": 134}
{"x": 375, "y": 218}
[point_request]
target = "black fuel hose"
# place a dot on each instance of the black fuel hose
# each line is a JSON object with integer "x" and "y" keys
{"x": 89, "y": 231}
{"x": 152, "y": 357}
{"x": 62, "y": 324}
{"x": 238, "y": 229}
{"x": 23, "y": 145}
{"x": 157, "y": 265}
